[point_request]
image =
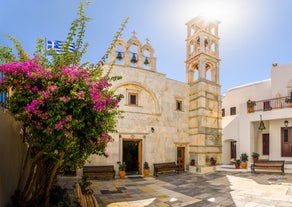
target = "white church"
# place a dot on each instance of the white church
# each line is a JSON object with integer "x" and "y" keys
{"x": 167, "y": 120}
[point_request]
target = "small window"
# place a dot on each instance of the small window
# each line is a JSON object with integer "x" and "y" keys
{"x": 178, "y": 105}
{"x": 223, "y": 112}
{"x": 286, "y": 135}
{"x": 133, "y": 99}
{"x": 232, "y": 110}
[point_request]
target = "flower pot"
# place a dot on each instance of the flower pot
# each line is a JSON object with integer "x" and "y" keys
{"x": 146, "y": 172}
{"x": 250, "y": 109}
{"x": 243, "y": 165}
{"x": 122, "y": 174}
{"x": 255, "y": 158}
{"x": 237, "y": 166}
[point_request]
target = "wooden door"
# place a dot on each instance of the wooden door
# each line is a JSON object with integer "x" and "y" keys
{"x": 132, "y": 156}
{"x": 233, "y": 149}
{"x": 266, "y": 144}
{"x": 286, "y": 140}
{"x": 181, "y": 158}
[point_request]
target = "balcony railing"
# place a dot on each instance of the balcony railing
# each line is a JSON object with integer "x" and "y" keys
{"x": 4, "y": 106}
{"x": 270, "y": 104}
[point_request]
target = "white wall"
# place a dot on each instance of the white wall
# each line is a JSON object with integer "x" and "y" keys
{"x": 11, "y": 156}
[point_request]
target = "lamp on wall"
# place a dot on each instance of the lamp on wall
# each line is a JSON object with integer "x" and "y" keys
{"x": 286, "y": 122}
{"x": 152, "y": 129}
{"x": 262, "y": 125}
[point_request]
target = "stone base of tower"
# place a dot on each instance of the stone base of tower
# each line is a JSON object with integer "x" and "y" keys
{"x": 206, "y": 169}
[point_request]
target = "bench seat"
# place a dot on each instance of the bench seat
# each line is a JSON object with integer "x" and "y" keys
{"x": 99, "y": 172}
{"x": 86, "y": 199}
{"x": 268, "y": 165}
{"x": 165, "y": 167}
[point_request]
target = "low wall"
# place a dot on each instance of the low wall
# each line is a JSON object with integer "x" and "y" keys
{"x": 12, "y": 151}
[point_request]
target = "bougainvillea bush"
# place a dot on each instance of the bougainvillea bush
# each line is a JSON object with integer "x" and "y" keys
{"x": 67, "y": 109}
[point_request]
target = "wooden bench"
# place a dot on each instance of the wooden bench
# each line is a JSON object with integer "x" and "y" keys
{"x": 165, "y": 167}
{"x": 268, "y": 165}
{"x": 86, "y": 199}
{"x": 99, "y": 172}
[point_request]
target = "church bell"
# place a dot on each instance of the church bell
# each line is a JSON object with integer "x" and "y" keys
{"x": 119, "y": 56}
{"x": 134, "y": 59}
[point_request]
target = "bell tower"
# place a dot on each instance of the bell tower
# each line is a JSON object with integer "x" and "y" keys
{"x": 202, "y": 70}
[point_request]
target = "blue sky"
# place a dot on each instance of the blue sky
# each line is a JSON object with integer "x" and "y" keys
{"x": 254, "y": 33}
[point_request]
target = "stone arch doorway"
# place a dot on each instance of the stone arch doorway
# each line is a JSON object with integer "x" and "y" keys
{"x": 132, "y": 156}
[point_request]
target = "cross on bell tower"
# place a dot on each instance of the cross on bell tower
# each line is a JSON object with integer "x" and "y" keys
{"x": 202, "y": 69}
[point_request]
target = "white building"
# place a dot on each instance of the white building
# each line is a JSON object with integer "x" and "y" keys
{"x": 241, "y": 133}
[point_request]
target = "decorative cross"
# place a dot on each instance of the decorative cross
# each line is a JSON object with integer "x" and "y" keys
{"x": 134, "y": 33}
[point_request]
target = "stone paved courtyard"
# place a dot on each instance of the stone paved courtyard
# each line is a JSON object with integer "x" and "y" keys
{"x": 227, "y": 189}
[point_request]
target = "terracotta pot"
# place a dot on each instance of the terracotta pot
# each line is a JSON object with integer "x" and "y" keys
{"x": 255, "y": 158}
{"x": 237, "y": 166}
{"x": 250, "y": 109}
{"x": 243, "y": 165}
{"x": 122, "y": 174}
{"x": 192, "y": 163}
{"x": 146, "y": 172}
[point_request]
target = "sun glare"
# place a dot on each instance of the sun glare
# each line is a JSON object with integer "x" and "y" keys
{"x": 224, "y": 10}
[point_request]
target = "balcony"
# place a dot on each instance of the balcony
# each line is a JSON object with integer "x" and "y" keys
{"x": 3, "y": 106}
{"x": 269, "y": 104}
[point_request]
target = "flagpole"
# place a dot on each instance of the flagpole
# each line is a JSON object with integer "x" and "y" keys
{"x": 46, "y": 46}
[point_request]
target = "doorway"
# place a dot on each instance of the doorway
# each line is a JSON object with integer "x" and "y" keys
{"x": 233, "y": 149}
{"x": 286, "y": 140}
{"x": 132, "y": 156}
{"x": 266, "y": 144}
{"x": 181, "y": 158}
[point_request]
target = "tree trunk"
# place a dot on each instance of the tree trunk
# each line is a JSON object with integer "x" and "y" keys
{"x": 52, "y": 177}
{"x": 29, "y": 182}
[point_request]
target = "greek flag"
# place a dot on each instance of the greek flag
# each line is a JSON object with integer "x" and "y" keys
{"x": 58, "y": 46}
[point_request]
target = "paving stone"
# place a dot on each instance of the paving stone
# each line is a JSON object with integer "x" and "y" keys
{"x": 219, "y": 189}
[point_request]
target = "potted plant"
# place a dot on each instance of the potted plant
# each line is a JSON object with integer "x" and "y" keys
{"x": 289, "y": 101}
{"x": 192, "y": 167}
{"x": 122, "y": 169}
{"x": 255, "y": 156}
{"x": 250, "y": 106}
{"x": 146, "y": 169}
{"x": 237, "y": 163}
{"x": 212, "y": 161}
{"x": 243, "y": 159}
{"x": 193, "y": 162}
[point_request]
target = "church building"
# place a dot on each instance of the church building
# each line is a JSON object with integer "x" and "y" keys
{"x": 166, "y": 120}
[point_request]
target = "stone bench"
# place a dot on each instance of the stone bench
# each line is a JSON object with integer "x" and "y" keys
{"x": 99, "y": 172}
{"x": 86, "y": 199}
{"x": 165, "y": 167}
{"x": 268, "y": 165}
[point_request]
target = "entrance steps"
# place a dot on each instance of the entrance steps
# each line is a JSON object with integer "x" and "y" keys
{"x": 288, "y": 168}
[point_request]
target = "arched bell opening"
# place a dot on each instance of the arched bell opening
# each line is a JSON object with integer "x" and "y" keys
{"x": 211, "y": 73}
{"x": 146, "y": 59}
{"x": 119, "y": 55}
{"x": 133, "y": 55}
